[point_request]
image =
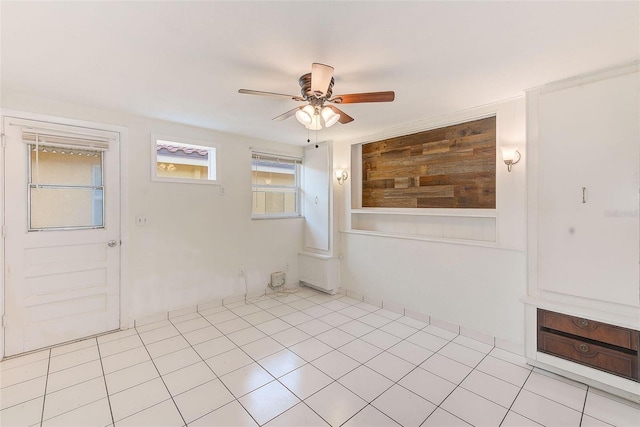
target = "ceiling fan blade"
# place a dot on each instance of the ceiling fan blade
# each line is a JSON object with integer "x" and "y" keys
{"x": 344, "y": 117}
{"x": 321, "y": 76}
{"x": 286, "y": 115}
{"x": 355, "y": 98}
{"x": 278, "y": 95}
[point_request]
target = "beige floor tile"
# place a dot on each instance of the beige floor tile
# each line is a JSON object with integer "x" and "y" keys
{"x": 22, "y": 392}
{"x": 138, "y": 398}
{"x": 23, "y": 414}
{"x": 130, "y": 377}
{"x": 268, "y": 401}
{"x": 294, "y": 359}
{"x": 164, "y": 414}
{"x": 335, "y": 404}
{"x": 125, "y": 359}
{"x": 75, "y": 375}
{"x": 96, "y": 414}
{"x": 231, "y": 414}
{"x": 281, "y": 363}
{"x": 403, "y": 406}
{"x": 22, "y": 373}
{"x": 203, "y": 399}
{"x": 300, "y": 416}
{"x": 187, "y": 378}
{"x": 74, "y": 397}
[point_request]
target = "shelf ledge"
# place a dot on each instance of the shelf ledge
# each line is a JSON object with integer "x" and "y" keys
{"x": 470, "y": 213}
{"x": 453, "y": 241}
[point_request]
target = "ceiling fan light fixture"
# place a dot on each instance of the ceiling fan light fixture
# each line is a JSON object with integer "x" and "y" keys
{"x": 329, "y": 116}
{"x": 315, "y": 123}
{"x": 305, "y": 115}
{"x": 316, "y": 89}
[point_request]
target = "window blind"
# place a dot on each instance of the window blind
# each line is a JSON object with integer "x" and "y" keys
{"x": 64, "y": 140}
{"x": 276, "y": 158}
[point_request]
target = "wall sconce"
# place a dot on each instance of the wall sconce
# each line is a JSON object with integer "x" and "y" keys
{"x": 341, "y": 176}
{"x": 510, "y": 156}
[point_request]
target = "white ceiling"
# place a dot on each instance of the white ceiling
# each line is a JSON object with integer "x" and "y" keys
{"x": 185, "y": 61}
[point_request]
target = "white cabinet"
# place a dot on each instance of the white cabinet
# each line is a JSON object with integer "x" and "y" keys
{"x": 316, "y": 191}
{"x": 318, "y": 265}
{"x": 319, "y": 271}
{"x": 583, "y": 228}
{"x": 588, "y": 154}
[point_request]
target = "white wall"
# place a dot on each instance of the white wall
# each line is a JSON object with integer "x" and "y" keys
{"x": 196, "y": 240}
{"x": 477, "y": 286}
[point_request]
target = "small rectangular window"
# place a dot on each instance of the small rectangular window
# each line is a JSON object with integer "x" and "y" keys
{"x": 180, "y": 160}
{"x": 276, "y": 186}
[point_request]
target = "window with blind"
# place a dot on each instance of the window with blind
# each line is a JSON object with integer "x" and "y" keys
{"x": 65, "y": 185}
{"x": 276, "y": 186}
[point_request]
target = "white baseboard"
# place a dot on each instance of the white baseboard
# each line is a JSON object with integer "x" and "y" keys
{"x": 516, "y": 349}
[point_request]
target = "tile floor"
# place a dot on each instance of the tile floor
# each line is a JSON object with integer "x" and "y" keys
{"x": 302, "y": 359}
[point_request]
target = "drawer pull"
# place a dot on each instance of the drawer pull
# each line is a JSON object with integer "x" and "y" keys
{"x": 584, "y": 324}
{"x": 583, "y": 348}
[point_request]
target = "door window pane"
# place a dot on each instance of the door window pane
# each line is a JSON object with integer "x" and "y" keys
{"x": 65, "y": 188}
{"x": 65, "y": 208}
{"x": 65, "y": 167}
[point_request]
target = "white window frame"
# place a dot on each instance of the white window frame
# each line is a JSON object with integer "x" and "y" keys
{"x": 272, "y": 157}
{"x": 214, "y": 164}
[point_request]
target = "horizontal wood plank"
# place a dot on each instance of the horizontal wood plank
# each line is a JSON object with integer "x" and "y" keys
{"x": 450, "y": 167}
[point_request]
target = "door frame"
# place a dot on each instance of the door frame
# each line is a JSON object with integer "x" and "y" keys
{"x": 123, "y": 131}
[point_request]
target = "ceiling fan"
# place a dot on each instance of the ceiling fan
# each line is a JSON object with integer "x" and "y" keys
{"x": 316, "y": 90}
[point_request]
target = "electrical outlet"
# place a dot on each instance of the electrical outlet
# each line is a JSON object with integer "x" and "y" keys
{"x": 223, "y": 191}
{"x": 287, "y": 266}
{"x": 141, "y": 220}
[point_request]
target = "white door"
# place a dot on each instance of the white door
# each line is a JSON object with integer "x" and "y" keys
{"x": 62, "y": 244}
{"x": 316, "y": 198}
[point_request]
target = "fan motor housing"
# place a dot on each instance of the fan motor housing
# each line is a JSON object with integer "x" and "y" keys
{"x": 305, "y": 88}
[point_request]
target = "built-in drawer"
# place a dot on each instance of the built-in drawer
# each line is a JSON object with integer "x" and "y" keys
{"x": 623, "y": 363}
{"x": 596, "y": 331}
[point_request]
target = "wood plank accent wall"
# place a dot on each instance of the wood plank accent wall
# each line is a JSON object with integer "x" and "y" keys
{"x": 450, "y": 167}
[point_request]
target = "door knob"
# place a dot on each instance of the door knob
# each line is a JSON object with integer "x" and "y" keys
{"x": 112, "y": 243}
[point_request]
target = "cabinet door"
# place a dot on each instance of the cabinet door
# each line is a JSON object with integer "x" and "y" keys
{"x": 316, "y": 198}
{"x": 588, "y": 190}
